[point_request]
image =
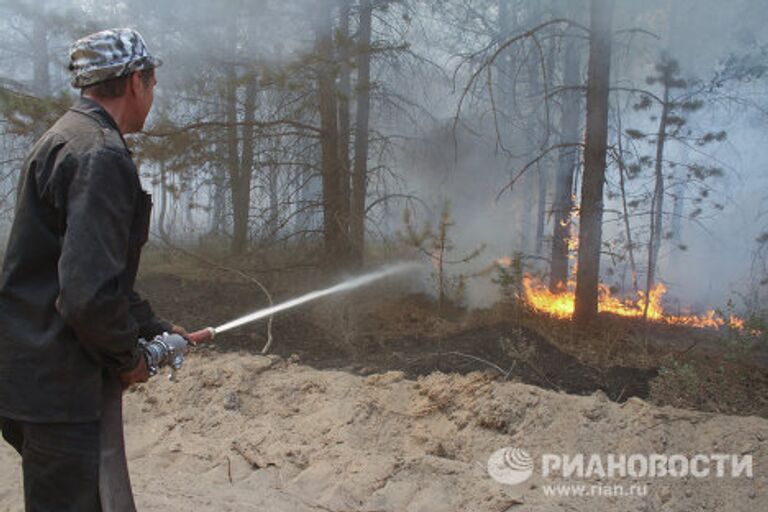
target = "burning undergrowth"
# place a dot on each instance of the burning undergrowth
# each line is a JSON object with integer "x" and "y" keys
{"x": 561, "y": 305}
{"x": 646, "y": 305}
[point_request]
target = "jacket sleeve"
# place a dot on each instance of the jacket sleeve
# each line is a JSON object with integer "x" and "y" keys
{"x": 149, "y": 324}
{"x": 100, "y": 201}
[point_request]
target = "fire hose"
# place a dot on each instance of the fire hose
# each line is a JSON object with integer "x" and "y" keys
{"x": 169, "y": 349}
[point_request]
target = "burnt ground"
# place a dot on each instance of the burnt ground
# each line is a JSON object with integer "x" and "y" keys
{"x": 383, "y": 329}
{"x": 407, "y": 342}
{"x": 513, "y": 352}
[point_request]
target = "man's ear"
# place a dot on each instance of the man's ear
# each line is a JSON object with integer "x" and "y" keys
{"x": 134, "y": 83}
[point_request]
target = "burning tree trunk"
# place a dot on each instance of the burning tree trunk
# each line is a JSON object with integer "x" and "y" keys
{"x": 591, "y": 211}
{"x": 360, "y": 172}
{"x": 563, "y": 200}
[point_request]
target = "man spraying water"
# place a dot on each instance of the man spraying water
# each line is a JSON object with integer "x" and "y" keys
{"x": 70, "y": 318}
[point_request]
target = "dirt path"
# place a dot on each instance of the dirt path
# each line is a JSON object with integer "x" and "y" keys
{"x": 244, "y": 432}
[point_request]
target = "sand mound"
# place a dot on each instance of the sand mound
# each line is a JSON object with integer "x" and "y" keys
{"x": 243, "y": 432}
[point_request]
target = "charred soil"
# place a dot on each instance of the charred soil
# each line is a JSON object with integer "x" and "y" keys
{"x": 384, "y": 329}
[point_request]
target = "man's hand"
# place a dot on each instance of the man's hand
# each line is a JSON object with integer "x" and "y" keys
{"x": 139, "y": 374}
{"x": 180, "y": 330}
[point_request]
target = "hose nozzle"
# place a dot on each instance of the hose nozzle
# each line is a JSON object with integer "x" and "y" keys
{"x": 202, "y": 335}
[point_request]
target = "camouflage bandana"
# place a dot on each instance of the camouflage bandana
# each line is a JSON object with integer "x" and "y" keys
{"x": 108, "y": 54}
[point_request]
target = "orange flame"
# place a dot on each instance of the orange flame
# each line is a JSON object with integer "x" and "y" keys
{"x": 561, "y": 305}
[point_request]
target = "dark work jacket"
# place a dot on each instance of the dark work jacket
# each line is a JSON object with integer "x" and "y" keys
{"x": 68, "y": 312}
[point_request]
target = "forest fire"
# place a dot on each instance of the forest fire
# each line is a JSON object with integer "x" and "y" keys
{"x": 561, "y": 305}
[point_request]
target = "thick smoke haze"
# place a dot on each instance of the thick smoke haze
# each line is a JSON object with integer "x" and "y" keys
{"x": 437, "y": 137}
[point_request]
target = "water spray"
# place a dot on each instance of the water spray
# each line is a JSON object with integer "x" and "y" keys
{"x": 209, "y": 333}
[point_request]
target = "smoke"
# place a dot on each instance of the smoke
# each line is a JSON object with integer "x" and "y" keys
{"x": 465, "y": 162}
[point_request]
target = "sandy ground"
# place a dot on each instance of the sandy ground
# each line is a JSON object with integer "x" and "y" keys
{"x": 240, "y": 432}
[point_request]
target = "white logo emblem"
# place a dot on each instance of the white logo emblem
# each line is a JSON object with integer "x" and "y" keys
{"x": 510, "y": 466}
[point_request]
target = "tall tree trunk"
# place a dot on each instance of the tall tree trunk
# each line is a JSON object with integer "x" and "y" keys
{"x": 678, "y": 209}
{"x": 545, "y": 173}
{"x": 217, "y": 191}
{"x": 676, "y": 37}
{"x": 506, "y": 64}
{"x": 657, "y": 202}
{"x": 218, "y": 201}
{"x": 41, "y": 71}
{"x": 41, "y": 76}
{"x": 362, "y": 116}
{"x": 345, "y": 93}
{"x": 241, "y": 193}
{"x": 591, "y": 226}
{"x": 510, "y": 20}
{"x": 161, "y": 224}
{"x": 329, "y": 143}
{"x": 563, "y": 201}
{"x": 527, "y": 182}
{"x": 308, "y": 192}
{"x": 625, "y": 206}
{"x": 274, "y": 209}
{"x": 233, "y": 152}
